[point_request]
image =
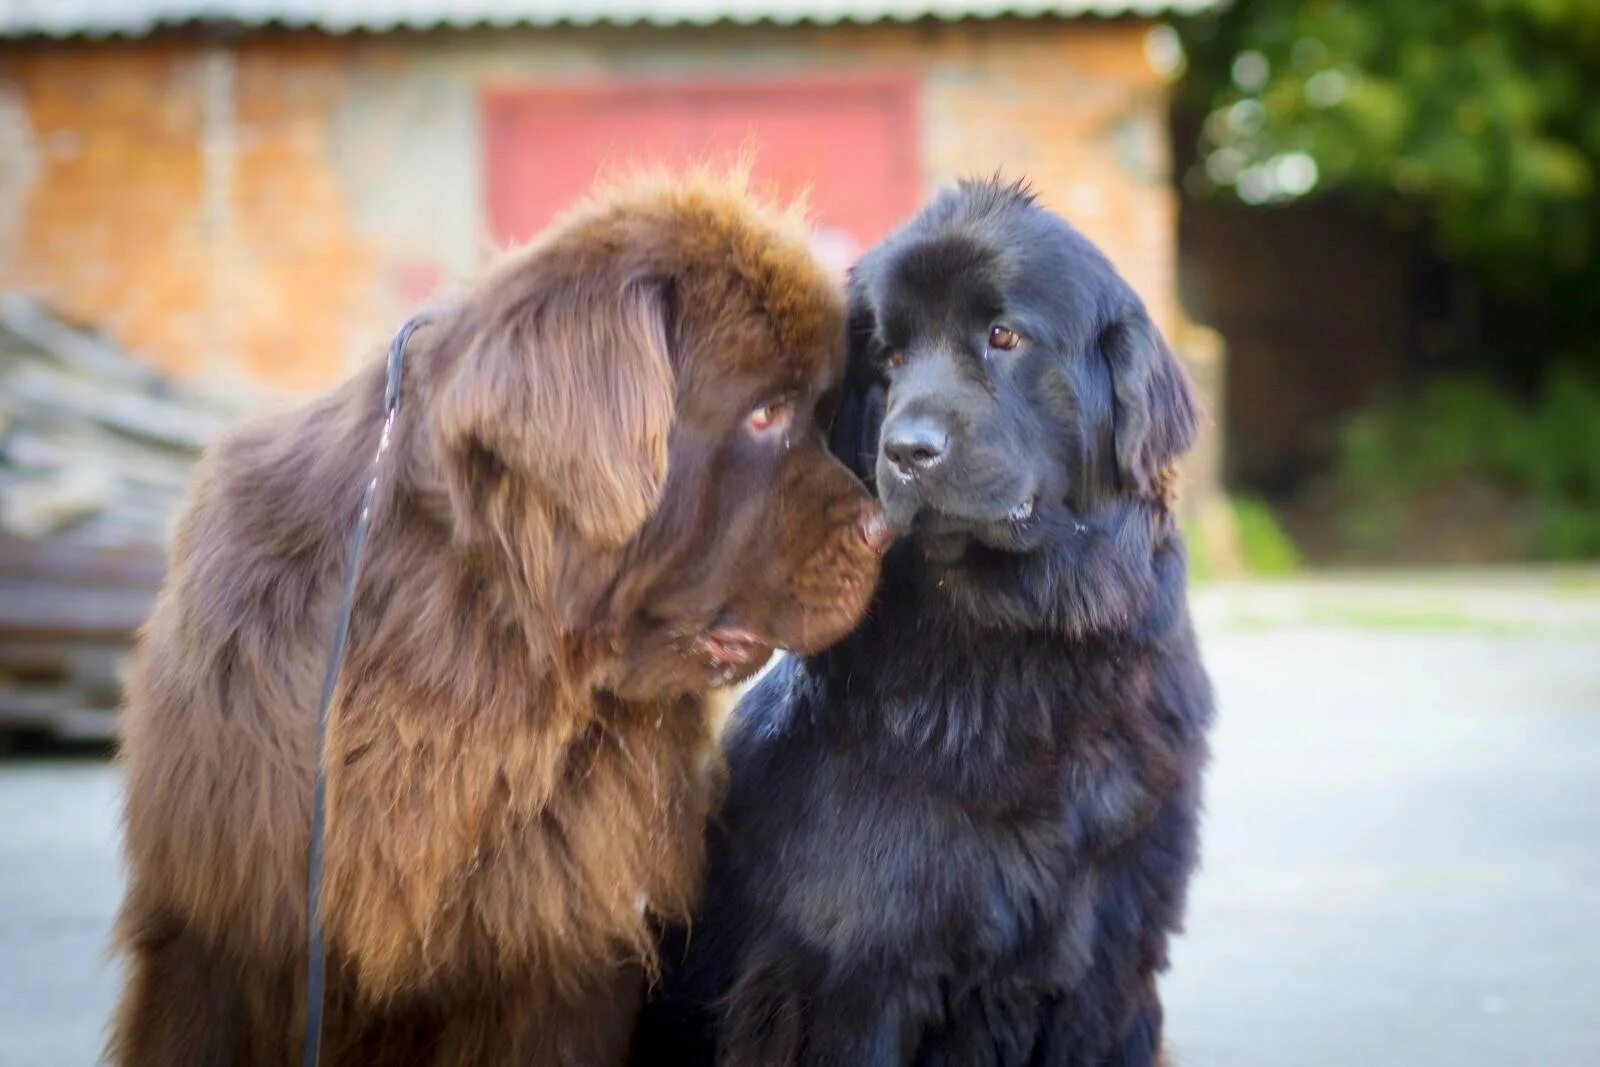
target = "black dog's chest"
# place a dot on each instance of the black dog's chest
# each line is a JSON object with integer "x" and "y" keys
{"x": 947, "y": 825}
{"x": 921, "y": 877}
{"x": 947, "y": 834}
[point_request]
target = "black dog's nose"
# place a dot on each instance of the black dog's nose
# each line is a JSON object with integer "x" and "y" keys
{"x": 914, "y": 445}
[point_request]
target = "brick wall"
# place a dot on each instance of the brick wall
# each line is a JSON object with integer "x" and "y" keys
{"x": 214, "y": 238}
{"x": 272, "y": 206}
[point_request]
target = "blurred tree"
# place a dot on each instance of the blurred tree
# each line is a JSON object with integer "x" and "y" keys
{"x": 1480, "y": 118}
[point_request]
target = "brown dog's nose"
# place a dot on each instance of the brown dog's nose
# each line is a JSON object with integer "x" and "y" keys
{"x": 913, "y": 445}
{"x": 874, "y": 527}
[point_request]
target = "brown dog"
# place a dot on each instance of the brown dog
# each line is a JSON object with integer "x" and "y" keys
{"x": 606, "y": 494}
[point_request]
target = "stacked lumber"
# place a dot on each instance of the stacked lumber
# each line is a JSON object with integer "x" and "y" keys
{"x": 95, "y": 450}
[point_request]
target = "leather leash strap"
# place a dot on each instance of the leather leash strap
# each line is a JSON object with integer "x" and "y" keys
{"x": 316, "y": 962}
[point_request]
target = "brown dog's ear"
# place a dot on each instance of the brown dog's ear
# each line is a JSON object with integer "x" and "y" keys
{"x": 1155, "y": 411}
{"x": 571, "y": 394}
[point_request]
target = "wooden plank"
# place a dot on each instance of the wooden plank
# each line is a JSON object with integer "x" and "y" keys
{"x": 57, "y": 714}
{"x": 42, "y": 610}
{"x": 50, "y": 561}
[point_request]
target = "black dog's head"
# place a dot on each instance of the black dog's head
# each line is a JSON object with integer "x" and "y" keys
{"x": 1005, "y": 382}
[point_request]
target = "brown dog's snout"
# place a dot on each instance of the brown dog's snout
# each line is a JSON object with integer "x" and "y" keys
{"x": 828, "y": 566}
{"x": 874, "y": 527}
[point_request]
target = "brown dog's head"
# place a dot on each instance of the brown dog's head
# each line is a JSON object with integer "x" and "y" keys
{"x": 627, "y": 427}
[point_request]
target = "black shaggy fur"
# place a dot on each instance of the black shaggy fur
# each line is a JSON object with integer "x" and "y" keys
{"x": 963, "y": 836}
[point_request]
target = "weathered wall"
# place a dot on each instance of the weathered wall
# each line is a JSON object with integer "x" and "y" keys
{"x": 271, "y": 206}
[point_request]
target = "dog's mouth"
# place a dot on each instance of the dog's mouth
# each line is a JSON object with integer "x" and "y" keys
{"x": 728, "y": 651}
{"x": 945, "y": 539}
{"x": 732, "y": 646}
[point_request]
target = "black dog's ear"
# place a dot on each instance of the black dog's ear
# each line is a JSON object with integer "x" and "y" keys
{"x": 853, "y": 436}
{"x": 1156, "y": 415}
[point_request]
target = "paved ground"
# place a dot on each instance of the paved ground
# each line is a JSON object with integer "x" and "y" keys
{"x": 59, "y": 885}
{"x": 1402, "y": 851}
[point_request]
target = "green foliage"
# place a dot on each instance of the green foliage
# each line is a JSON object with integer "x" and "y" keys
{"x": 1544, "y": 456}
{"x": 1266, "y": 548}
{"x": 1479, "y": 119}
{"x": 1482, "y": 116}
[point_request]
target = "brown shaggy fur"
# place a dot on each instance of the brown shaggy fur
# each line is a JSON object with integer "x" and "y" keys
{"x": 519, "y": 759}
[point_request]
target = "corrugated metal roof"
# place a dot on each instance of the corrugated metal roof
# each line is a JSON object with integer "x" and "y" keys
{"x": 96, "y": 18}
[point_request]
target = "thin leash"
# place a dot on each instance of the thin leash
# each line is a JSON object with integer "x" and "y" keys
{"x": 316, "y": 962}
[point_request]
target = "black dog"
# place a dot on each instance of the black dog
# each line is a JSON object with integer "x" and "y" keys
{"x": 963, "y": 836}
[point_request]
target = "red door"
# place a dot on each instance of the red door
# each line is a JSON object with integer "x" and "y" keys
{"x": 852, "y": 141}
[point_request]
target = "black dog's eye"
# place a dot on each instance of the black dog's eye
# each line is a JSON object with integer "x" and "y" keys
{"x": 892, "y": 358}
{"x": 1004, "y": 338}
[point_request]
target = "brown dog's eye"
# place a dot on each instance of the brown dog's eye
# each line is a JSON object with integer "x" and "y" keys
{"x": 1003, "y": 338}
{"x": 769, "y": 418}
{"x": 893, "y": 358}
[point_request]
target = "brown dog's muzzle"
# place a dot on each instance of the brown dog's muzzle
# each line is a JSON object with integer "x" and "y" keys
{"x": 828, "y": 556}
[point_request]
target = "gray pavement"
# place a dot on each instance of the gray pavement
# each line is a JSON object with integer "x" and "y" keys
{"x": 1402, "y": 842}
{"x": 59, "y": 886}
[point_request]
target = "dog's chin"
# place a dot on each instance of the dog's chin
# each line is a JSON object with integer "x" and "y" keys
{"x": 950, "y": 541}
{"x": 944, "y": 549}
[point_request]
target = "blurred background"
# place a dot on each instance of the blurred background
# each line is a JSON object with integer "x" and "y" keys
{"x": 1369, "y": 227}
